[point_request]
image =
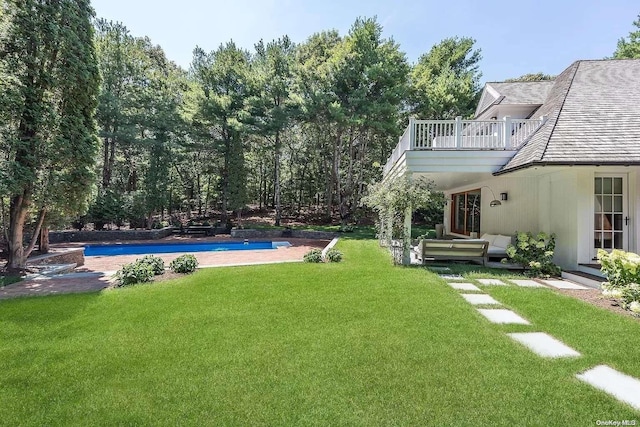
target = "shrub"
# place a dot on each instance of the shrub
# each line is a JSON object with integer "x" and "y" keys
{"x": 334, "y": 255}
{"x": 184, "y": 264}
{"x": 622, "y": 270}
{"x": 630, "y": 294}
{"x": 156, "y": 263}
{"x": 314, "y": 255}
{"x": 136, "y": 272}
{"x": 535, "y": 254}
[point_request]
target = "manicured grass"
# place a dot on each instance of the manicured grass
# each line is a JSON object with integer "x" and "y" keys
{"x": 358, "y": 232}
{"x": 355, "y": 343}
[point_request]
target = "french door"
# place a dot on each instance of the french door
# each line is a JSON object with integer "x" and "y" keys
{"x": 611, "y": 217}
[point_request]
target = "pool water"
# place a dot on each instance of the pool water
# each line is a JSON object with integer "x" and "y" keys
{"x": 167, "y": 248}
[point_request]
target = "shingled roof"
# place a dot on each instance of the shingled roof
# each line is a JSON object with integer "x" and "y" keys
{"x": 514, "y": 93}
{"x": 593, "y": 112}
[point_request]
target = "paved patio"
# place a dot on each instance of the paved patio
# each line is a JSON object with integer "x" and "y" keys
{"x": 96, "y": 273}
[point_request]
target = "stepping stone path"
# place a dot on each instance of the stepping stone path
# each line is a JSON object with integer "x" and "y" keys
{"x": 563, "y": 284}
{"x": 479, "y": 299}
{"x": 503, "y": 316}
{"x": 451, "y": 277}
{"x": 621, "y": 386}
{"x": 544, "y": 345}
{"x": 496, "y": 282}
{"x": 464, "y": 286}
{"x": 527, "y": 283}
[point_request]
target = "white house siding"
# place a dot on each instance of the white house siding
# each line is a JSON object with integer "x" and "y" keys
{"x": 518, "y": 213}
{"x": 554, "y": 200}
{"x": 562, "y": 203}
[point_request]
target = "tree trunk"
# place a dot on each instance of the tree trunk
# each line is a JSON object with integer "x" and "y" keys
{"x": 36, "y": 234}
{"x": 17, "y": 216}
{"x": 276, "y": 178}
{"x": 44, "y": 240}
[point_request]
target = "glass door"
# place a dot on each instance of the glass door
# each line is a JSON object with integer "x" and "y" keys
{"x": 466, "y": 212}
{"x": 610, "y": 213}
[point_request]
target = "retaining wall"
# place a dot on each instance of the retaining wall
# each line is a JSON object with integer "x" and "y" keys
{"x": 107, "y": 236}
{"x": 248, "y": 233}
{"x": 72, "y": 256}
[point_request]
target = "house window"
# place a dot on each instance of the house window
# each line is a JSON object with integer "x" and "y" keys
{"x": 465, "y": 214}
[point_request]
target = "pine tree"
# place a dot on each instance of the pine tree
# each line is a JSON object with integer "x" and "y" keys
{"x": 50, "y": 136}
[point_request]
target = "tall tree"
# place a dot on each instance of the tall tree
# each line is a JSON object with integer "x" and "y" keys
{"x": 277, "y": 104}
{"x": 47, "y": 47}
{"x": 629, "y": 48}
{"x": 369, "y": 83}
{"x": 445, "y": 82}
{"x": 227, "y": 86}
{"x": 532, "y": 77}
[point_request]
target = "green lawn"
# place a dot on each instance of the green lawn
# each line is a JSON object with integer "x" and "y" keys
{"x": 356, "y": 343}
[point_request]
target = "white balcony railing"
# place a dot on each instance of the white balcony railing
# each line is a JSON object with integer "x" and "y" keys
{"x": 458, "y": 134}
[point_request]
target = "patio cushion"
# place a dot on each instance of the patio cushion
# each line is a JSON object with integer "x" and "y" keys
{"x": 496, "y": 250}
{"x": 489, "y": 238}
{"x": 501, "y": 241}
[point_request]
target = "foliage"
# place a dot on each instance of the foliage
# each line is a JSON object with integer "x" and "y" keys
{"x": 184, "y": 264}
{"x": 392, "y": 197}
{"x": 227, "y": 85}
{"x": 314, "y": 256}
{"x": 135, "y": 272}
{"x": 106, "y": 208}
{"x": 156, "y": 263}
{"x": 622, "y": 270}
{"x": 535, "y": 253}
{"x": 532, "y": 77}
{"x": 445, "y": 82}
{"x": 629, "y": 48}
{"x": 334, "y": 255}
{"x": 47, "y": 133}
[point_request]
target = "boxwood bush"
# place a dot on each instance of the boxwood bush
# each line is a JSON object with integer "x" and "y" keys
{"x": 314, "y": 255}
{"x": 156, "y": 263}
{"x": 184, "y": 264}
{"x": 136, "y": 272}
{"x": 334, "y": 255}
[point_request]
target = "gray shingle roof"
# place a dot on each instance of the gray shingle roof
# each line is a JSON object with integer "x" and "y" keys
{"x": 593, "y": 114}
{"x": 522, "y": 93}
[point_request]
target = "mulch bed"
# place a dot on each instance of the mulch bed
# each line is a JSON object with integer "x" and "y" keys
{"x": 595, "y": 297}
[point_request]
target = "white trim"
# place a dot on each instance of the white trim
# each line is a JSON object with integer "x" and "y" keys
{"x": 329, "y": 247}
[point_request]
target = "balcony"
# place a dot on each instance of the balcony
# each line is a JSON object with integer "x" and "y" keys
{"x": 459, "y": 135}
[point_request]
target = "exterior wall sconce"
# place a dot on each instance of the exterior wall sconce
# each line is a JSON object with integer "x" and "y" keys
{"x": 504, "y": 196}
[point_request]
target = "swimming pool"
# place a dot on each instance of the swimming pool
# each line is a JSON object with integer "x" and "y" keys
{"x": 167, "y": 248}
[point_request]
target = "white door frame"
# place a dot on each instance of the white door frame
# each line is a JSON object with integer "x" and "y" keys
{"x": 625, "y": 220}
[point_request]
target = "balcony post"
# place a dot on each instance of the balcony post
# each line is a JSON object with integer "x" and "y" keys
{"x": 506, "y": 135}
{"x": 458, "y": 132}
{"x": 412, "y": 133}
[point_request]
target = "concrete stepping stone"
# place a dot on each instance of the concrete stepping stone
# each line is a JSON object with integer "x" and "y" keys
{"x": 563, "y": 284}
{"x": 451, "y": 277}
{"x": 544, "y": 344}
{"x": 495, "y": 315}
{"x": 621, "y": 386}
{"x": 527, "y": 283}
{"x": 479, "y": 299}
{"x": 495, "y": 282}
{"x": 464, "y": 286}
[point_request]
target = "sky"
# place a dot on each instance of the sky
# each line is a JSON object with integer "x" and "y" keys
{"x": 515, "y": 37}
